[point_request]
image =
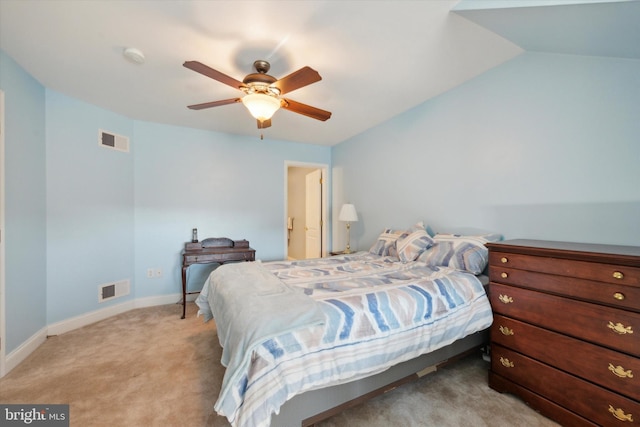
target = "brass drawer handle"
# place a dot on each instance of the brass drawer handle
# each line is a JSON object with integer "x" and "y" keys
{"x": 618, "y": 275}
{"x": 619, "y": 328}
{"x": 506, "y": 362}
{"x": 619, "y": 371}
{"x": 504, "y": 260}
{"x": 506, "y": 299}
{"x": 619, "y": 296}
{"x": 506, "y": 331}
{"x": 619, "y": 414}
{"x": 504, "y": 275}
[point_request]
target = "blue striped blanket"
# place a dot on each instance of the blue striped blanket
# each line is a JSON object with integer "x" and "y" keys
{"x": 376, "y": 312}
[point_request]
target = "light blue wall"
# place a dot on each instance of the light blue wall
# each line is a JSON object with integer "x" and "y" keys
{"x": 25, "y": 211}
{"x": 112, "y": 215}
{"x": 90, "y": 207}
{"x": 223, "y": 185}
{"x": 544, "y": 146}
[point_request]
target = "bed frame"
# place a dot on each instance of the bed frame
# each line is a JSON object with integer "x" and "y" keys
{"x": 316, "y": 405}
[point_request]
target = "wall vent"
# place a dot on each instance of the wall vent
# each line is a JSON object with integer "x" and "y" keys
{"x": 113, "y": 141}
{"x": 109, "y": 291}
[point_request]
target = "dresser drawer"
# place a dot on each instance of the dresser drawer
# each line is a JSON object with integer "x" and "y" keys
{"x": 220, "y": 258}
{"x": 608, "y": 368}
{"x": 193, "y": 259}
{"x": 238, "y": 256}
{"x": 617, "y": 295}
{"x": 600, "y": 272}
{"x": 591, "y": 401}
{"x": 610, "y": 327}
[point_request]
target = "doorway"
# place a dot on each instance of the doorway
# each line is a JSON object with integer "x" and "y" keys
{"x": 305, "y": 211}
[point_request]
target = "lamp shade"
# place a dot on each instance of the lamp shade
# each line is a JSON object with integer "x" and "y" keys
{"x": 261, "y": 106}
{"x": 348, "y": 213}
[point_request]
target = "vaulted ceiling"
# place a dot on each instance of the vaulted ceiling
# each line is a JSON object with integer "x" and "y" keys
{"x": 377, "y": 59}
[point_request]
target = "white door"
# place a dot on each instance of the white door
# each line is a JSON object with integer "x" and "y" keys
{"x": 313, "y": 218}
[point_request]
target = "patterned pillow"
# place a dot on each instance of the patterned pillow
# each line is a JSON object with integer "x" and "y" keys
{"x": 410, "y": 246}
{"x": 466, "y": 253}
{"x": 386, "y": 243}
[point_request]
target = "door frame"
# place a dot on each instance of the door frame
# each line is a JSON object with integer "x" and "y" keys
{"x": 324, "y": 168}
{"x": 3, "y": 238}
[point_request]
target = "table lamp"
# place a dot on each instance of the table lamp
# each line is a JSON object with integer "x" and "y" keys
{"x": 349, "y": 215}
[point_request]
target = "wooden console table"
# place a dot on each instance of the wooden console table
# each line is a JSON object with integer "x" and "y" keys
{"x": 213, "y": 250}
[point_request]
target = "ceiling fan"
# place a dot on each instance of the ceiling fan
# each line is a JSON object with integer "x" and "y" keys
{"x": 263, "y": 92}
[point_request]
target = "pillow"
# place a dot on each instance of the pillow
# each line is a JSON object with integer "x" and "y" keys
{"x": 411, "y": 245}
{"x": 386, "y": 243}
{"x": 466, "y": 253}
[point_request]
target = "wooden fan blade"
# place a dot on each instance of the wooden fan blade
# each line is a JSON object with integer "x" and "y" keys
{"x": 264, "y": 124}
{"x": 199, "y": 67}
{"x": 214, "y": 104}
{"x": 303, "y": 77}
{"x": 306, "y": 110}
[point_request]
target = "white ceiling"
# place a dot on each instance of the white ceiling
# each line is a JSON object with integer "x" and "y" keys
{"x": 577, "y": 27}
{"x": 377, "y": 58}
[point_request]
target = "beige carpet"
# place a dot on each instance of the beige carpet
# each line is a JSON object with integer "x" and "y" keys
{"x": 147, "y": 367}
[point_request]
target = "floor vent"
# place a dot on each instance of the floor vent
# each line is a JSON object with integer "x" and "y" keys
{"x": 113, "y": 141}
{"x": 109, "y": 291}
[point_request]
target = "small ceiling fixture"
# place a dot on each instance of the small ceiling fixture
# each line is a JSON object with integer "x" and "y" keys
{"x": 134, "y": 55}
{"x": 262, "y": 91}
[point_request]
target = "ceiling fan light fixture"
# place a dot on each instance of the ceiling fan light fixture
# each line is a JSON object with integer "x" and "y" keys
{"x": 262, "y": 91}
{"x": 261, "y": 106}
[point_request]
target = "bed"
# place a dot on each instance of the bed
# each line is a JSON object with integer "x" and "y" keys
{"x": 302, "y": 337}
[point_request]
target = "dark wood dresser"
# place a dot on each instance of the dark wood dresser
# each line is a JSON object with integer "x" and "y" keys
{"x": 566, "y": 331}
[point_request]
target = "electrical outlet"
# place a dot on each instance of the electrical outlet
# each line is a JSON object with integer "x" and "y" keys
{"x": 150, "y": 273}
{"x": 159, "y": 272}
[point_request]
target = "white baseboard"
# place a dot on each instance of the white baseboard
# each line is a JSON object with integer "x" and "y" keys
{"x": 14, "y": 358}
{"x": 88, "y": 318}
{"x": 104, "y": 313}
{"x": 158, "y": 300}
{"x": 163, "y": 300}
